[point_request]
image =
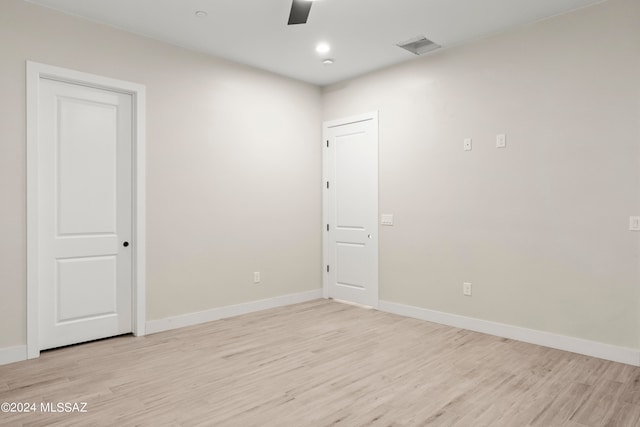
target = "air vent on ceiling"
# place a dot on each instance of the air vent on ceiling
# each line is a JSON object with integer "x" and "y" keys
{"x": 419, "y": 45}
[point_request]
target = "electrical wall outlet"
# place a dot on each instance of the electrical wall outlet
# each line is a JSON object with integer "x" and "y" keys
{"x": 467, "y": 144}
{"x": 256, "y": 277}
{"x": 466, "y": 289}
{"x": 634, "y": 223}
{"x": 501, "y": 140}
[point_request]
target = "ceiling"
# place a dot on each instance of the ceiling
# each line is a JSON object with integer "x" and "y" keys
{"x": 362, "y": 33}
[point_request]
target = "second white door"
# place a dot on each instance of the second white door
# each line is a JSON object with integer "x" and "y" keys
{"x": 351, "y": 209}
{"x": 85, "y": 213}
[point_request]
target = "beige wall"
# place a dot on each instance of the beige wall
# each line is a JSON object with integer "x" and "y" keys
{"x": 233, "y": 160}
{"x": 540, "y": 228}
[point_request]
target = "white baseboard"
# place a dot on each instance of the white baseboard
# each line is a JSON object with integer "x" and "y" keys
{"x": 561, "y": 342}
{"x": 160, "y": 325}
{"x": 13, "y": 354}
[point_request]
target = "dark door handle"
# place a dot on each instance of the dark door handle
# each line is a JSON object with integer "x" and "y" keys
{"x": 125, "y": 244}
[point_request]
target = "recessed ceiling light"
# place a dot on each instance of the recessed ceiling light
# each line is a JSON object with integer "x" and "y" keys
{"x": 201, "y": 14}
{"x": 323, "y": 48}
{"x": 328, "y": 61}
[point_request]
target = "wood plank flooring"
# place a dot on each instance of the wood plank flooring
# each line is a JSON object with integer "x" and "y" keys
{"x": 322, "y": 363}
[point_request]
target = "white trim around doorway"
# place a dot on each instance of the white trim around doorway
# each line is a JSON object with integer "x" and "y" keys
{"x": 34, "y": 73}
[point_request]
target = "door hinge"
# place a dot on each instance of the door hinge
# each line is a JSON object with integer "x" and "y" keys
{"x": 327, "y": 268}
{"x": 327, "y": 143}
{"x": 327, "y": 184}
{"x": 327, "y": 227}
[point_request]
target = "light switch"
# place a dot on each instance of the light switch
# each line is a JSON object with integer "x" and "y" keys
{"x": 634, "y": 223}
{"x": 467, "y": 144}
{"x": 501, "y": 141}
{"x": 466, "y": 289}
{"x": 387, "y": 219}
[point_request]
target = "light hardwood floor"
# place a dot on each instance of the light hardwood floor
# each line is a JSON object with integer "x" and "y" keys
{"x": 322, "y": 363}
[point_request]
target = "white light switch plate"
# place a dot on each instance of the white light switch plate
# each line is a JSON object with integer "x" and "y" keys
{"x": 386, "y": 219}
{"x": 466, "y": 289}
{"x": 467, "y": 144}
{"x": 501, "y": 141}
{"x": 634, "y": 223}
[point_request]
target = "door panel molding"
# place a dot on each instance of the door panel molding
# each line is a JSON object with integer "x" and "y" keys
{"x": 328, "y": 227}
{"x": 35, "y": 72}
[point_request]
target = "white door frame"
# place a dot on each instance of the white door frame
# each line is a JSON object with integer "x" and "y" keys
{"x": 373, "y": 115}
{"x": 35, "y": 72}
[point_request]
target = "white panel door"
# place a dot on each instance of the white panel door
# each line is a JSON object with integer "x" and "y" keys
{"x": 85, "y": 214}
{"x": 351, "y": 211}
